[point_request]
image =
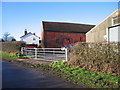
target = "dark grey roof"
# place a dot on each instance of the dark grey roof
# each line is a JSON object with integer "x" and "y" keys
{"x": 66, "y": 27}
{"x": 28, "y": 34}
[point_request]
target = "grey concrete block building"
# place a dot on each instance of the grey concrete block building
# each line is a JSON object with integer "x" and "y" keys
{"x": 107, "y": 30}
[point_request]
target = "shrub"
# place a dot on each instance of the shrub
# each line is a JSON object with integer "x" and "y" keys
{"x": 96, "y": 57}
{"x": 12, "y": 47}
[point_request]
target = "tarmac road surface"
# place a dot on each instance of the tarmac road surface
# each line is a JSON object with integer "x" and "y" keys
{"x": 14, "y": 76}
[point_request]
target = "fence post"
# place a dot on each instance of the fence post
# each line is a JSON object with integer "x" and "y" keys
{"x": 25, "y": 51}
{"x": 66, "y": 54}
{"x": 35, "y": 53}
{"x": 44, "y": 52}
{"x": 22, "y": 50}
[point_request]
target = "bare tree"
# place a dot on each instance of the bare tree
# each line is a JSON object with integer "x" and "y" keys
{"x": 7, "y": 37}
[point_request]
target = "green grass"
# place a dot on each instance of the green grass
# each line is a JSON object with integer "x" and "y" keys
{"x": 75, "y": 75}
{"x": 81, "y": 76}
{"x": 11, "y": 56}
{"x": 14, "y": 56}
{"x": 8, "y": 56}
{"x": 38, "y": 56}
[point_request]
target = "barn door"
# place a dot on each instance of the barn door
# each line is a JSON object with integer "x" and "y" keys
{"x": 114, "y": 34}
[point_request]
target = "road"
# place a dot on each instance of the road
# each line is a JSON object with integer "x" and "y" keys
{"x": 14, "y": 76}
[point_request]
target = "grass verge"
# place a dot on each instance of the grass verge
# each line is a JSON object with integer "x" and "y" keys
{"x": 74, "y": 75}
{"x": 8, "y": 56}
{"x": 81, "y": 76}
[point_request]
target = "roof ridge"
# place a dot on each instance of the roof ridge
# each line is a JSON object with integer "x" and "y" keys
{"x": 66, "y": 23}
{"x": 26, "y": 34}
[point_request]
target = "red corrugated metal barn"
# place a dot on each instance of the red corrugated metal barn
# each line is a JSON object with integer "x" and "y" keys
{"x": 58, "y": 34}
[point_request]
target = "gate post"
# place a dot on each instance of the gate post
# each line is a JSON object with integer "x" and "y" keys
{"x": 66, "y": 54}
{"x": 35, "y": 53}
{"x": 22, "y": 50}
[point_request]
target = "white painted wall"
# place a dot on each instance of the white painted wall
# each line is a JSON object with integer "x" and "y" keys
{"x": 114, "y": 34}
{"x": 30, "y": 39}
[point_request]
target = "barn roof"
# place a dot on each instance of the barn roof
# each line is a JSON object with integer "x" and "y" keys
{"x": 66, "y": 27}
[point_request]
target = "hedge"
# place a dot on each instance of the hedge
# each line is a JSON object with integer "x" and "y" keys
{"x": 12, "y": 47}
{"x": 96, "y": 57}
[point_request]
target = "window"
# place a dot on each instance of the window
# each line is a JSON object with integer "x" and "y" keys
{"x": 116, "y": 20}
{"x": 34, "y": 39}
{"x": 59, "y": 41}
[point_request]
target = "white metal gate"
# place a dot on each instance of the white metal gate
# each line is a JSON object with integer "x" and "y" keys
{"x": 47, "y": 54}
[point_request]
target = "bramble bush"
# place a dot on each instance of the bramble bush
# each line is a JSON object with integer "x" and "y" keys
{"x": 96, "y": 57}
